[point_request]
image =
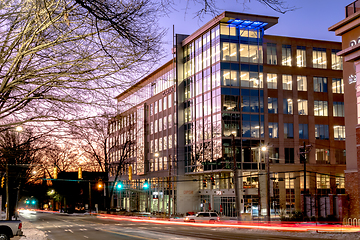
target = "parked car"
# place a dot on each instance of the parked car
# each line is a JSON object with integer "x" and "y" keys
{"x": 203, "y": 217}
{"x": 9, "y": 229}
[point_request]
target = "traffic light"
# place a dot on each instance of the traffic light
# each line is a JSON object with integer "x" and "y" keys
{"x": 27, "y": 202}
{"x": 146, "y": 185}
{"x": 33, "y": 202}
{"x": 119, "y": 185}
{"x": 55, "y": 172}
{"x": 2, "y": 182}
{"x": 212, "y": 180}
{"x": 130, "y": 172}
{"x": 204, "y": 183}
{"x": 79, "y": 173}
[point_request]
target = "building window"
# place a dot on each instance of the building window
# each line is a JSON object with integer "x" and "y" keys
{"x": 339, "y": 132}
{"x": 230, "y": 78}
{"x": 165, "y": 101}
{"x": 301, "y": 83}
{"x": 338, "y": 109}
{"x": 151, "y": 127}
{"x": 320, "y": 84}
{"x": 289, "y": 155}
{"x": 251, "y": 53}
{"x": 288, "y": 130}
{"x": 229, "y": 51}
{"x": 165, "y": 123}
{"x": 320, "y": 108}
{"x": 322, "y": 131}
{"x": 337, "y": 85}
{"x": 286, "y": 55}
{"x": 251, "y": 79}
{"x": 155, "y": 108}
{"x": 303, "y": 131}
{"x": 340, "y": 181}
{"x": 156, "y": 126}
{"x": 151, "y": 109}
{"x": 273, "y": 130}
{"x": 322, "y": 156}
{"x": 301, "y": 56}
{"x": 169, "y": 101}
{"x": 319, "y": 58}
{"x": 227, "y": 29}
{"x": 160, "y": 125}
{"x": 336, "y": 61}
{"x": 272, "y": 81}
{"x": 289, "y": 180}
{"x": 272, "y": 105}
{"x": 340, "y": 156}
{"x": 160, "y": 105}
{"x": 287, "y": 82}
{"x": 322, "y": 181}
{"x": 302, "y": 106}
{"x": 288, "y": 106}
{"x": 271, "y": 54}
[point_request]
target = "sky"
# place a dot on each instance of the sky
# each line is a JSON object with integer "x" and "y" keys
{"x": 311, "y": 19}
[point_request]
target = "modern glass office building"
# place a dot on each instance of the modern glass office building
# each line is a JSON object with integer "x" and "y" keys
{"x": 229, "y": 91}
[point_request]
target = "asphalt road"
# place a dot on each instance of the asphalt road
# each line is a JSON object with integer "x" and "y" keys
{"x": 64, "y": 227}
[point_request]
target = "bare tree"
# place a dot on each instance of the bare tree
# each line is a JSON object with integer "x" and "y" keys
{"x": 59, "y": 54}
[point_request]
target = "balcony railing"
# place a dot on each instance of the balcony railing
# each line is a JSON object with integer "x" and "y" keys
{"x": 352, "y": 8}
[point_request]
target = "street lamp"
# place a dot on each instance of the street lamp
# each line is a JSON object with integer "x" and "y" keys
{"x": 236, "y": 178}
{"x": 265, "y": 150}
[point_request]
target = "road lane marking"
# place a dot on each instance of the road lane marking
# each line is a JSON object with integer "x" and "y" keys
{"x": 86, "y": 237}
{"x": 68, "y": 230}
{"x": 128, "y": 235}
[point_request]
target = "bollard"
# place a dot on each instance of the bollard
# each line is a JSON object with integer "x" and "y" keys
{"x": 349, "y": 221}
{"x": 354, "y": 222}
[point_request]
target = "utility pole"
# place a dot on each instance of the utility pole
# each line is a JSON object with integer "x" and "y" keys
{"x": 236, "y": 180}
{"x": 169, "y": 184}
{"x": 89, "y": 197}
{"x": 268, "y": 185}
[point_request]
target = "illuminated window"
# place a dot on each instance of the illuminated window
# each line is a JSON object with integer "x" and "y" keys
{"x": 156, "y": 126}
{"x": 320, "y": 108}
{"x": 165, "y": 101}
{"x": 322, "y": 181}
{"x": 319, "y": 58}
{"x": 288, "y": 106}
{"x": 251, "y": 79}
{"x": 230, "y": 78}
{"x": 289, "y": 180}
{"x": 286, "y": 55}
{"x": 339, "y": 132}
{"x": 302, "y": 107}
{"x": 229, "y": 51}
{"x": 337, "y": 85}
{"x": 271, "y": 81}
{"x": 287, "y": 82}
{"x": 301, "y": 83}
{"x": 336, "y": 61}
{"x": 301, "y": 56}
{"x": 271, "y": 54}
{"x": 322, "y": 156}
{"x": 251, "y": 53}
{"x": 340, "y": 181}
{"x": 273, "y": 130}
{"x": 272, "y": 105}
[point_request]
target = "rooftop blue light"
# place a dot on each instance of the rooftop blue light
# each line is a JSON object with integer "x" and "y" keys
{"x": 246, "y": 23}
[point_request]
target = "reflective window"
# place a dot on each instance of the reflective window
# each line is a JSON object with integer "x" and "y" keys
{"x": 231, "y": 103}
{"x": 339, "y": 132}
{"x": 151, "y": 109}
{"x": 251, "y": 101}
{"x": 301, "y": 83}
{"x": 288, "y": 130}
{"x": 271, "y": 54}
{"x": 319, "y": 58}
{"x": 301, "y": 56}
{"x": 321, "y": 108}
{"x": 160, "y": 105}
{"x": 286, "y": 55}
{"x": 321, "y": 131}
{"x": 156, "y": 126}
{"x": 273, "y": 130}
{"x": 303, "y": 131}
{"x": 165, "y": 101}
{"x": 272, "y": 105}
{"x": 338, "y": 109}
{"x": 320, "y": 84}
{"x": 337, "y": 85}
{"x": 229, "y": 51}
{"x": 340, "y": 156}
{"x": 336, "y": 61}
{"x": 155, "y": 108}
{"x": 271, "y": 81}
{"x": 288, "y": 106}
{"x": 287, "y": 82}
{"x": 322, "y": 156}
{"x": 302, "y": 106}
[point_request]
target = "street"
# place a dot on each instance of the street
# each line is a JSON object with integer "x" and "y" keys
{"x": 64, "y": 227}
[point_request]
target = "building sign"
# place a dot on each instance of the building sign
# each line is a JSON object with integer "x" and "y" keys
{"x": 354, "y": 42}
{"x": 218, "y": 193}
{"x": 352, "y": 79}
{"x": 168, "y": 91}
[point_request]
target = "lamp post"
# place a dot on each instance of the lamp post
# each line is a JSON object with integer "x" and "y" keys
{"x": 265, "y": 150}
{"x": 236, "y": 179}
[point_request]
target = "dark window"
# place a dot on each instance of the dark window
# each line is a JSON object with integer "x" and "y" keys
{"x": 289, "y": 155}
